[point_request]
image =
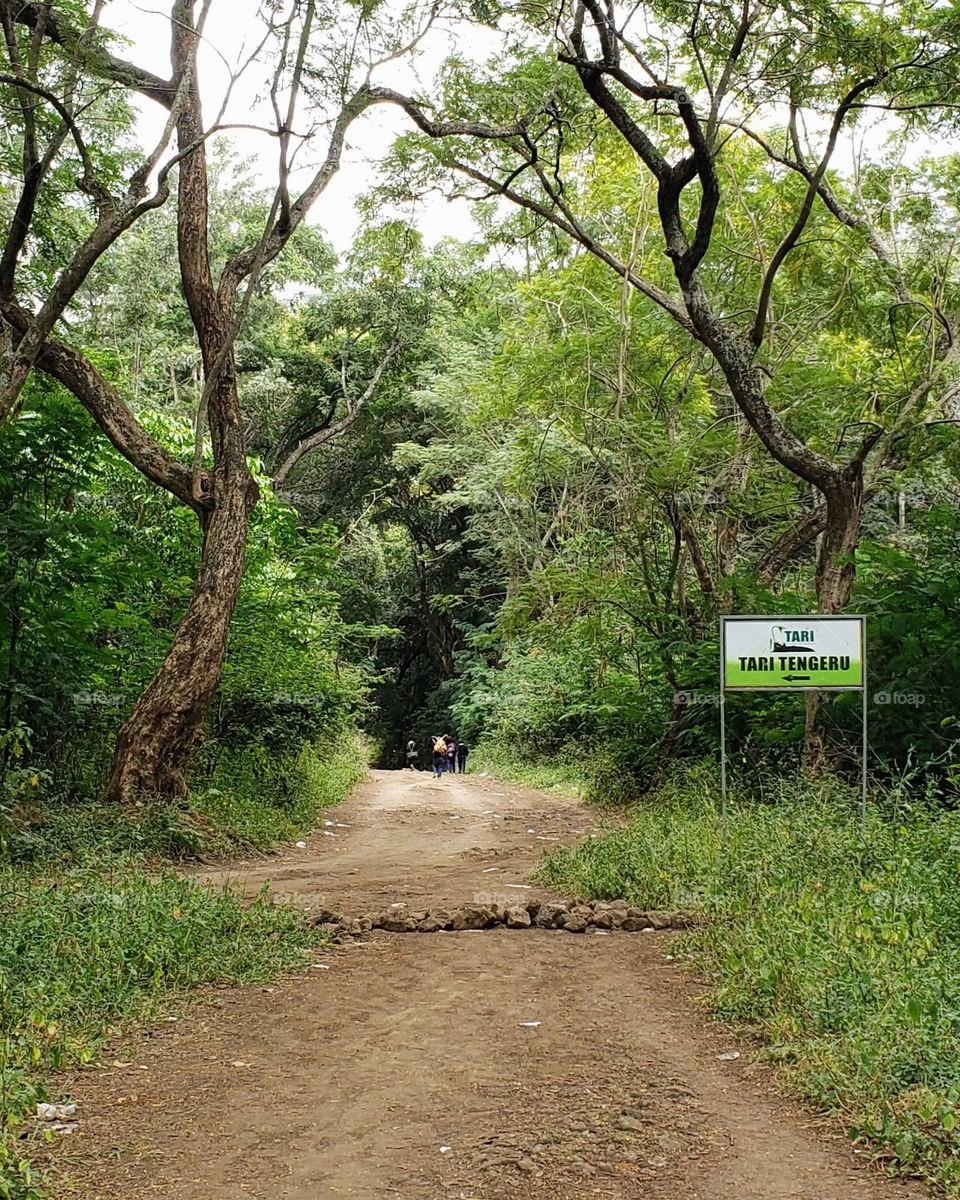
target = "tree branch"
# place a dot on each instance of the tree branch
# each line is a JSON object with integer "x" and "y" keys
{"x": 79, "y": 376}
{"x": 97, "y": 60}
{"x": 354, "y": 410}
{"x": 813, "y": 187}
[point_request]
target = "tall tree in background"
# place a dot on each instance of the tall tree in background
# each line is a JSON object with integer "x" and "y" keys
{"x": 684, "y": 91}
{"x": 59, "y": 73}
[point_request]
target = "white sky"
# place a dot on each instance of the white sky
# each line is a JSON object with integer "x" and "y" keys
{"x": 233, "y": 25}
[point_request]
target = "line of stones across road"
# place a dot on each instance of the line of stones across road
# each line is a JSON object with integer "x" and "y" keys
{"x": 596, "y": 915}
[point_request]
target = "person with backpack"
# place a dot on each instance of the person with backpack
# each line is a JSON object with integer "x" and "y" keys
{"x": 451, "y": 755}
{"x": 462, "y": 751}
{"x": 439, "y": 756}
{"x": 412, "y": 755}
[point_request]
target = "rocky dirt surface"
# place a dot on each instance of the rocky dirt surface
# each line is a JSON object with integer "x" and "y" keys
{"x": 492, "y": 1064}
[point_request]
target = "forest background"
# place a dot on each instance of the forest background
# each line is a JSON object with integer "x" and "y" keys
{"x": 269, "y": 511}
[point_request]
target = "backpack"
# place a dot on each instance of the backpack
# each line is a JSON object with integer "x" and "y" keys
{"x": 439, "y": 746}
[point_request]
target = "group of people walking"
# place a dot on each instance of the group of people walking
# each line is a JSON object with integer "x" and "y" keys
{"x": 448, "y": 755}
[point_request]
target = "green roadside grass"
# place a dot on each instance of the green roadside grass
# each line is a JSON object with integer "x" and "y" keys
{"x": 841, "y": 951}
{"x": 96, "y": 935}
{"x": 555, "y": 774}
{"x": 85, "y": 952}
{"x": 248, "y": 801}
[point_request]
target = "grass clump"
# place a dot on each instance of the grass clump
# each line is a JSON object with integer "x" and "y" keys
{"x": 83, "y": 950}
{"x": 553, "y": 774}
{"x": 841, "y": 950}
{"x": 244, "y": 799}
{"x": 257, "y": 798}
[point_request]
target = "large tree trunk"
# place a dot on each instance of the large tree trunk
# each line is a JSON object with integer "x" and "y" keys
{"x": 156, "y": 742}
{"x": 834, "y": 579}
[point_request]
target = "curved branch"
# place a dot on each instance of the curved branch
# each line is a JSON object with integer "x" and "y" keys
{"x": 790, "y": 542}
{"x": 99, "y": 61}
{"x": 813, "y": 187}
{"x": 80, "y": 377}
{"x": 354, "y": 409}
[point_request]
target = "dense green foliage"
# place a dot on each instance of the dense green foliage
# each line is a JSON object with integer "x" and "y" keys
{"x": 839, "y": 947}
{"x": 507, "y": 488}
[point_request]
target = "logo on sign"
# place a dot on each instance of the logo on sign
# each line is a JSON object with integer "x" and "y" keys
{"x": 789, "y": 641}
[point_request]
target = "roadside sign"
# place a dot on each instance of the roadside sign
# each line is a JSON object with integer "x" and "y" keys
{"x": 792, "y": 653}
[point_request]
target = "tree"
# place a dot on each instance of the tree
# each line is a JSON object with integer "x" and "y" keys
{"x": 684, "y": 91}
{"x": 60, "y": 71}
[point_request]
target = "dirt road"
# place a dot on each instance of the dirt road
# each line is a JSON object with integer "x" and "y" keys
{"x": 494, "y": 1065}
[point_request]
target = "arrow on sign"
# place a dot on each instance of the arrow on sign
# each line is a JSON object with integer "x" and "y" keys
{"x": 795, "y": 678}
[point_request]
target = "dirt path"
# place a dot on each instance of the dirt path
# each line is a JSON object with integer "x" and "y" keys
{"x": 408, "y": 1065}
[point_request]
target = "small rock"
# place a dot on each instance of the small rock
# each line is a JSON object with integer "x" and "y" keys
{"x": 397, "y": 922}
{"x": 661, "y": 920}
{"x": 575, "y": 923}
{"x": 431, "y": 924}
{"x": 630, "y": 1123}
{"x": 526, "y": 1165}
{"x": 472, "y": 916}
{"x": 635, "y": 924}
{"x": 517, "y": 918}
{"x": 620, "y": 905}
{"x": 552, "y": 915}
{"x": 602, "y": 919}
{"x": 55, "y": 1112}
{"x": 366, "y": 924}
{"x": 533, "y": 907}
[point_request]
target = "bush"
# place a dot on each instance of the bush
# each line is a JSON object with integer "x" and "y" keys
{"x": 560, "y": 774}
{"x": 247, "y": 799}
{"x": 841, "y": 951}
{"x": 256, "y": 798}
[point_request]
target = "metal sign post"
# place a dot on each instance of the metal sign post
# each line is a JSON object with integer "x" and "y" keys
{"x": 792, "y": 654}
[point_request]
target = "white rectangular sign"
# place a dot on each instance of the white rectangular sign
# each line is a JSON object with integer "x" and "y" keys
{"x": 793, "y": 653}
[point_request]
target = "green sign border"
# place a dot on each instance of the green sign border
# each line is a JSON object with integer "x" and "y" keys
{"x": 787, "y": 687}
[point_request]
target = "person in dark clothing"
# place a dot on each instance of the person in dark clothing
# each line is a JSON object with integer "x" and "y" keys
{"x": 412, "y": 755}
{"x": 451, "y": 755}
{"x": 462, "y": 751}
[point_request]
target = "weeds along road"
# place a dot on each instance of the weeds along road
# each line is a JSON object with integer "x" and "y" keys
{"x": 473, "y": 1066}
